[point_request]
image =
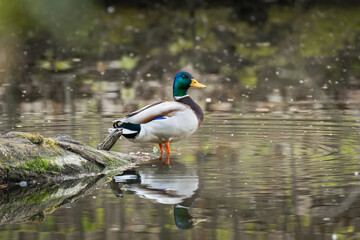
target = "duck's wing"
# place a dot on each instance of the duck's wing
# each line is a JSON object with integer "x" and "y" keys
{"x": 153, "y": 111}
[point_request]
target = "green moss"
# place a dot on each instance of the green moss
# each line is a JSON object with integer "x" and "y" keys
{"x": 49, "y": 142}
{"x": 37, "y": 197}
{"x": 112, "y": 164}
{"x": 34, "y": 138}
{"x": 91, "y": 168}
{"x": 41, "y": 166}
{"x": 37, "y": 165}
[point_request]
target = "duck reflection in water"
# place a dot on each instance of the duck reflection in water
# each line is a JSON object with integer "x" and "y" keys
{"x": 165, "y": 184}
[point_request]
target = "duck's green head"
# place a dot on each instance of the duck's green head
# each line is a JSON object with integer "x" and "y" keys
{"x": 182, "y": 82}
{"x": 183, "y": 219}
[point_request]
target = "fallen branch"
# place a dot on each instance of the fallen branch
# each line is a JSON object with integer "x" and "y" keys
{"x": 110, "y": 140}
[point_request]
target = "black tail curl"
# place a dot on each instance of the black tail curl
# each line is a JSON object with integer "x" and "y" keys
{"x": 117, "y": 124}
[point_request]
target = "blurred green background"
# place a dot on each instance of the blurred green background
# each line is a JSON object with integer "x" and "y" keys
{"x": 300, "y": 50}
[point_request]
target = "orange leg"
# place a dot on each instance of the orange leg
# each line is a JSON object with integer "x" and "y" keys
{"x": 167, "y": 161}
{"x": 161, "y": 148}
{"x": 167, "y": 145}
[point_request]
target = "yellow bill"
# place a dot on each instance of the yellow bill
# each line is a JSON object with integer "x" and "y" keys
{"x": 195, "y": 83}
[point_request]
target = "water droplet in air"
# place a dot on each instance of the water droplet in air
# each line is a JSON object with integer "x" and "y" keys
{"x": 23, "y": 183}
{"x": 110, "y": 9}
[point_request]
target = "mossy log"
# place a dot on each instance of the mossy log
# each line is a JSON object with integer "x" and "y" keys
{"x": 26, "y": 156}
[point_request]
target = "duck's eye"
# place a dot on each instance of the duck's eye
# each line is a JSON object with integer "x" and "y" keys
{"x": 183, "y": 76}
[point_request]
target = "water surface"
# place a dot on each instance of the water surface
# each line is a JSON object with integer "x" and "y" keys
{"x": 287, "y": 173}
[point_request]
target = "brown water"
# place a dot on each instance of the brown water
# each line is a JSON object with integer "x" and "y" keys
{"x": 288, "y": 173}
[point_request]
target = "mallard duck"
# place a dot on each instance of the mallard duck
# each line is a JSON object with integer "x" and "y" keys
{"x": 165, "y": 122}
